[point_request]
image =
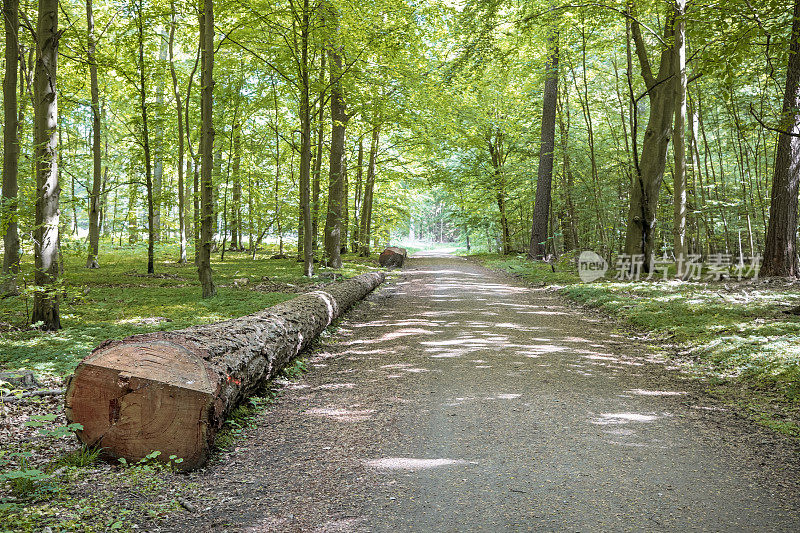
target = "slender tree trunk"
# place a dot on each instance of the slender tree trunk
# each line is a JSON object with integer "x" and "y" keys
{"x": 278, "y": 222}
{"x": 8, "y": 205}
{"x": 369, "y": 191}
{"x": 497, "y": 154}
{"x": 179, "y": 108}
{"x": 236, "y": 208}
{"x": 647, "y": 181}
{"x": 679, "y": 137}
{"x": 148, "y": 167}
{"x": 501, "y": 205}
{"x": 194, "y": 158}
{"x": 94, "y": 198}
{"x": 571, "y": 239}
{"x": 356, "y": 240}
{"x": 333, "y": 221}
{"x": 345, "y": 225}
{"x": 305, "y": 148}
{"x": 158, "y": 153}
{"x": 780, "y": 253}
{"x": 541, "y": 208}
{"x": 196, "y": 204}
{"x": 596, "y": 187}
{"x": 207, "y": 147}
{"x": 317, "y": 174}
{"x": 46, "y": 299}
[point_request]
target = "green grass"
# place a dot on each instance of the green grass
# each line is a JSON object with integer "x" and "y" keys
{"x": 533, "y": 271}
{"x": 115, "y": 301}
{"x": 732, "y": 333}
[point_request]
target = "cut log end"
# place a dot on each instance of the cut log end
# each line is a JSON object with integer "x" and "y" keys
{"x": 136, "y": 398}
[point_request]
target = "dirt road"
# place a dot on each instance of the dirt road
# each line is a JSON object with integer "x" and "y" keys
{"x": 455, "y": 399}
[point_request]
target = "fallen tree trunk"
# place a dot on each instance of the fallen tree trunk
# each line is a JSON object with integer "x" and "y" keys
{"x": 171, "y": 391}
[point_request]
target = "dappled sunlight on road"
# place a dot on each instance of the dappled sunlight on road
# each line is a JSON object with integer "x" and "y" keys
{"x": 623, "y": 418}
{"x": 340, "y": 414}
{"x": 410, "y": 463}
{"x": 642, "y": 392}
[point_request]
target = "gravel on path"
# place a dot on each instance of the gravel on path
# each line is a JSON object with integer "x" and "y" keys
{"x": 457, "y": 399}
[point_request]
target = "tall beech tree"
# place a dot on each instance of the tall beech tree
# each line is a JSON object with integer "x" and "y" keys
{"x": 780, "y": 252}
{"x": 547, "y": 146}
{"x": 45, "y": 136}
{"x": 97, "y": 177}
{"x": 206, "y": 147}
{"x": 336, "y": 194}
{"x": 179, "y": 108}
{"x": 649, "y": 173}
{"x": 679, "y": 137}
{"x": 304, "y": 21}
{"x": 365, "y": 232}
{"x": 8, "y": 205}
{"x": 148, "y": 165}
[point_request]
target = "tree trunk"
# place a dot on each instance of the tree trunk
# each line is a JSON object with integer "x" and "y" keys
{"x": 207, "y": 148}
{"x": 498, "y": 159}
{"x": 317, "y": 174}
{"x": 369, "y": 191}
{"x": 179, "y": 108}
{"x": 132, "y": 217}
{"x": 158, "y": 163}
{"x": 501, "y": 206}
{"x": 236, "y": 208}
{"x": 780, "y": 253}
{"x": 8, "y": 205}
{"x": 646, "y": 183}
{"x": 171, "y": 391}
{"x": 333, "y": 220}
{"x": 355, "y": 243}
{"x": 278, "y": 222}
{"x": 541, "y": 208}
{"x": 305, "y": 147}
{"x": 148, "y": 166}
{"x": 679, "y": 137}
{"x": 345, "y": 225}
{"x": 45, "y": 300}
{"x": 97, "y": 178}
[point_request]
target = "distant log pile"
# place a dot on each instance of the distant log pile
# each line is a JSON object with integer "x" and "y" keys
{"x": 171, "y": 391}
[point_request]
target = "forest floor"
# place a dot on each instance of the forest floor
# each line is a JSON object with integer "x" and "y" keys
{"x": 46, "y": 478}
{"x": 454, "y": 398}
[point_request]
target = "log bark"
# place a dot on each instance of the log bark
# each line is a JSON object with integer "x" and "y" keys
{"x": 171, "y": 391}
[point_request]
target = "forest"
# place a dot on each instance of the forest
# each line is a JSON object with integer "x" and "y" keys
{"x": 205, "y": 160}
{"x": 631, "y": 127}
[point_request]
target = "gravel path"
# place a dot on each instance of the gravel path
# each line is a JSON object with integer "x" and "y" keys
{"x": 456, "y": 399}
